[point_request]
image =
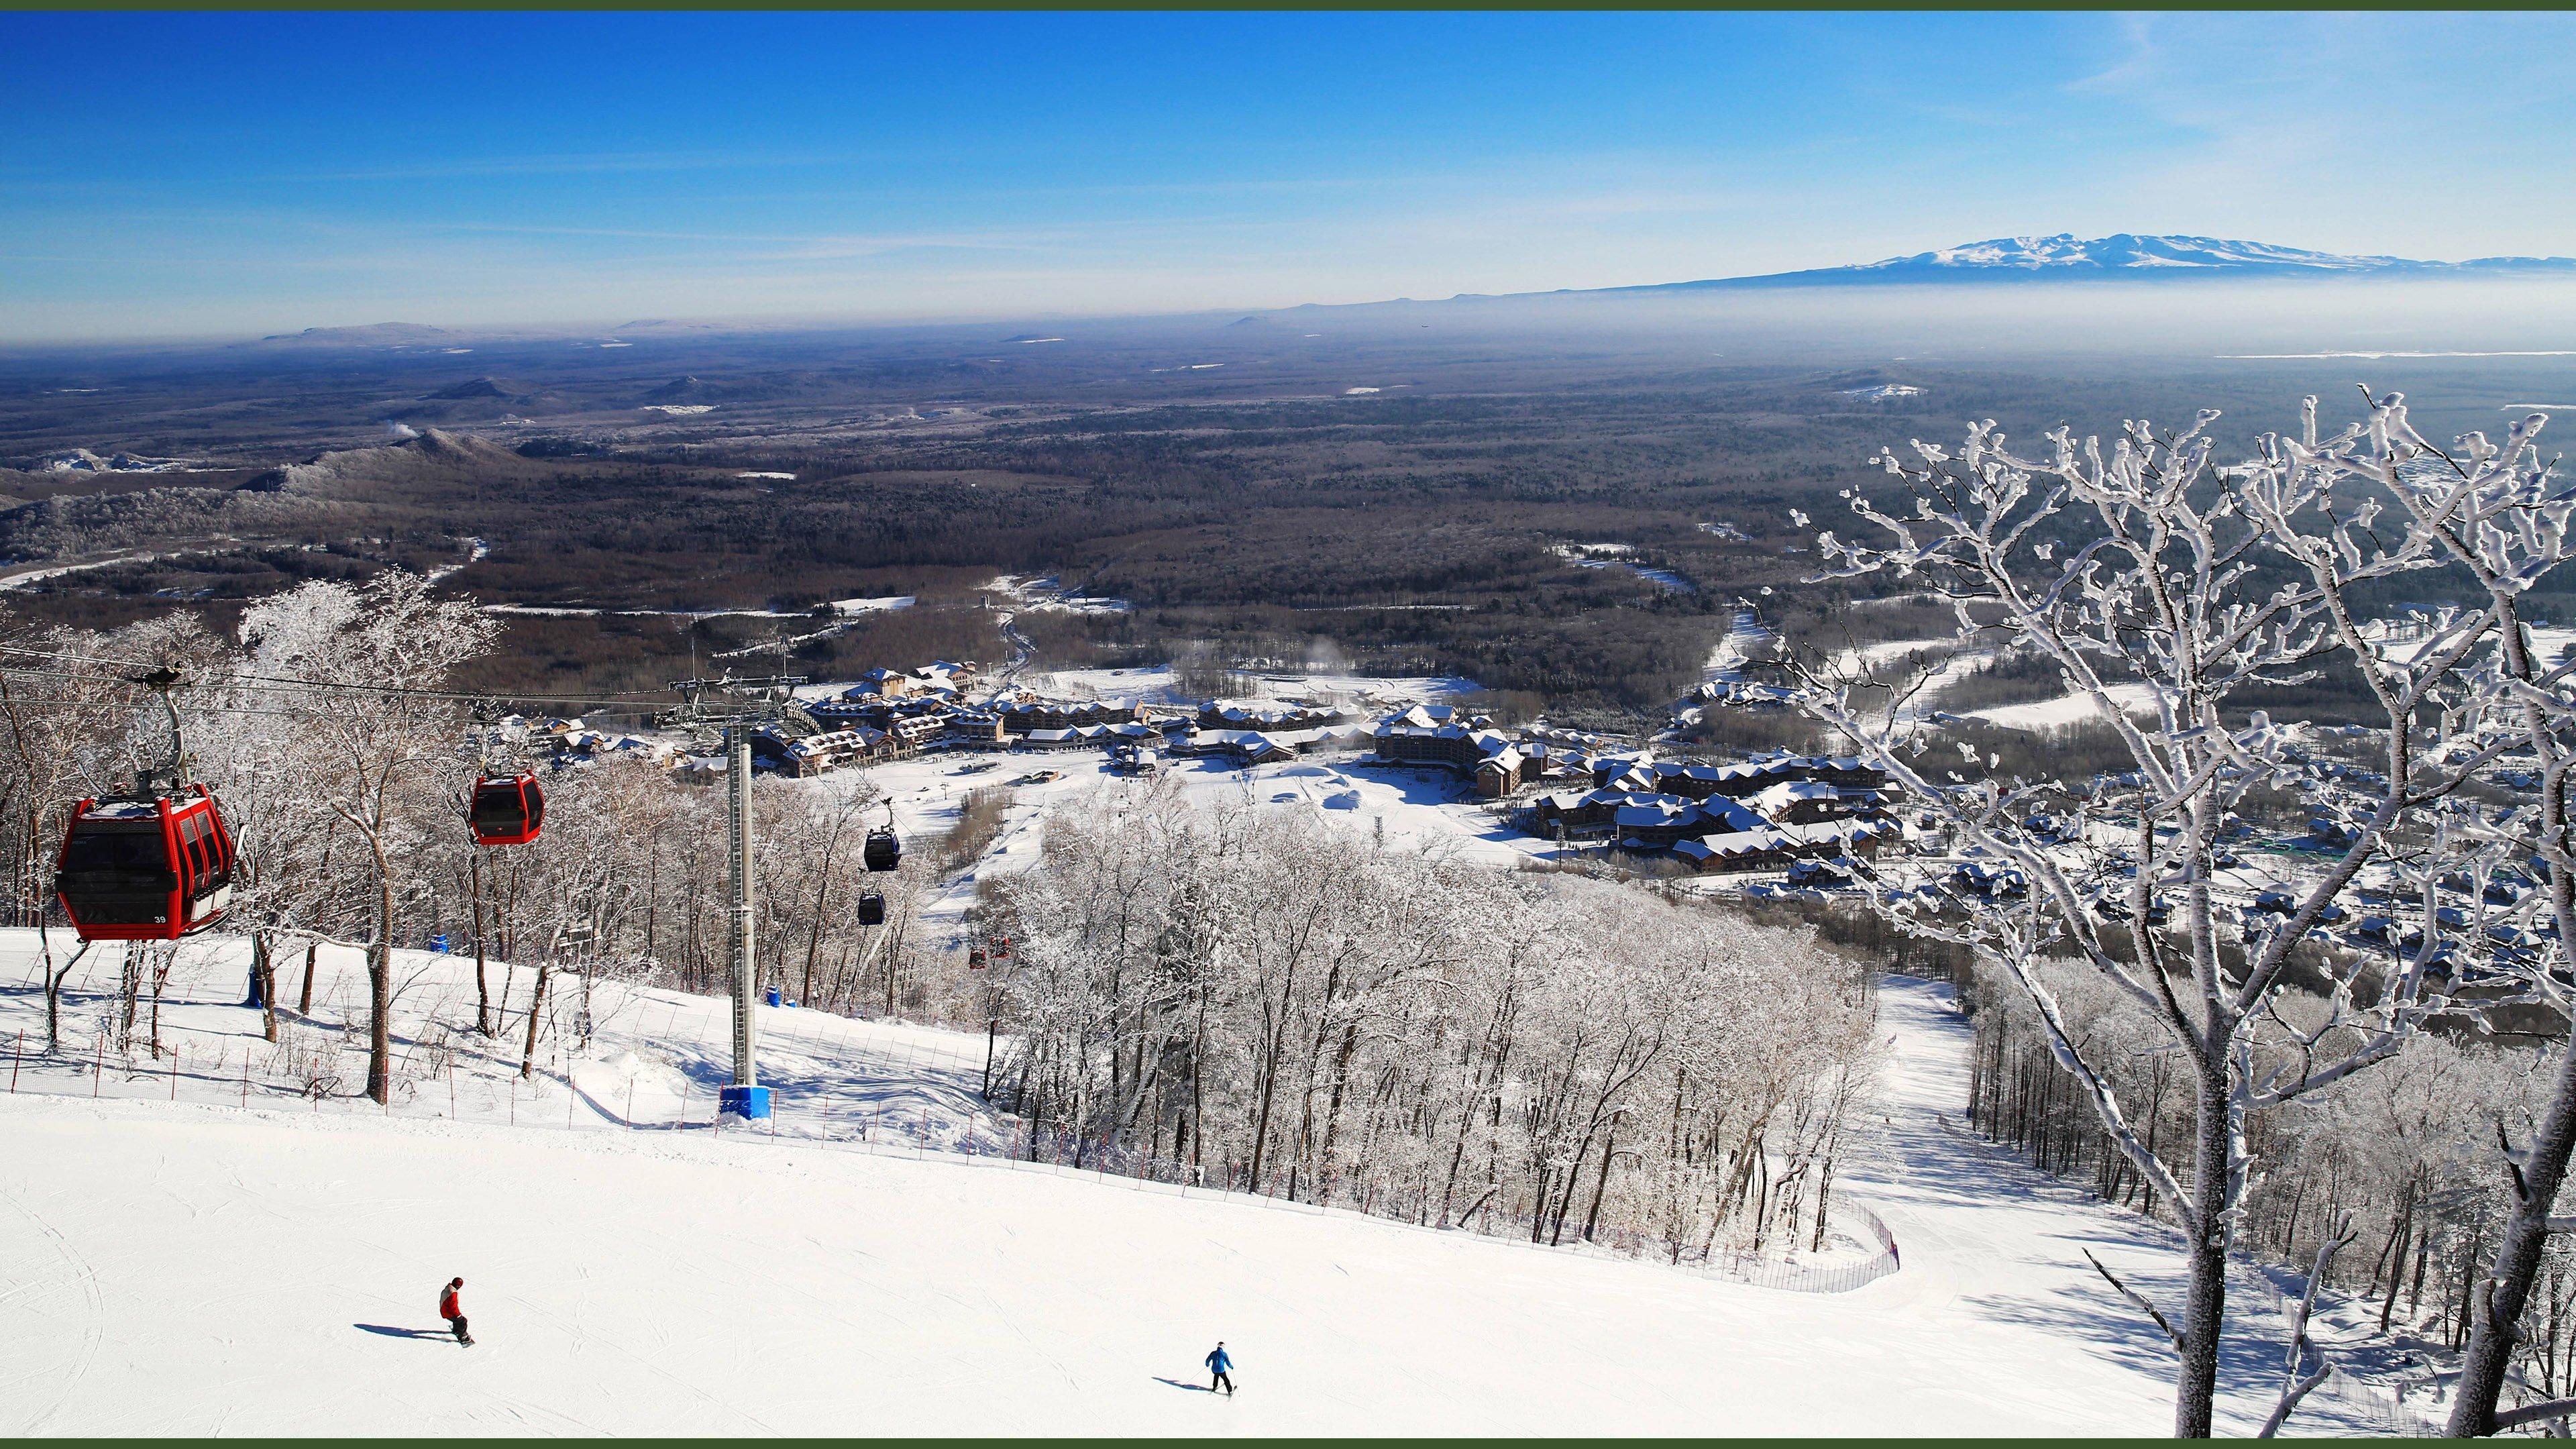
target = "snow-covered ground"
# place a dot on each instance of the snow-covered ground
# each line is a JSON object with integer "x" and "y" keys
{"x": 2067, "y": 709}
{"x": 1744, "y": 637}
{"x": 1160, "y": 684}
{"x": 653, "y": 1060}
{"x": 198, "y": 1268}
{"x": 1617, "y": 556}
{"x": 1424, "y": 809}
{"x": 1048, "y": 593}
{"x": 476, "y": 550}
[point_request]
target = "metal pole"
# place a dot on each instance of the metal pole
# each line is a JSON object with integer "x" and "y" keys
{"x": 738, "y": 839}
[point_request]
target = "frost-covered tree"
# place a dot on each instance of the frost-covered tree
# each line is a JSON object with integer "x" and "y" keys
{"x": 1263, "y": 998}
{"x": 362, "y": 671}
{"x": 2165, "y": 588}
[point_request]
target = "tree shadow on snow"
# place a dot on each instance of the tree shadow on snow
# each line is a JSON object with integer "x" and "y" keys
{"x": 390, "y": 1331}
{"x": 1191, "y": 1388}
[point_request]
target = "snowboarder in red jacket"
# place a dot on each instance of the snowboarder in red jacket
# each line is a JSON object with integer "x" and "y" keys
{"x": 453, "y": 1310}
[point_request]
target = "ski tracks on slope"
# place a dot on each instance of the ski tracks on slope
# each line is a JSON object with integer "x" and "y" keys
{"x": 24, "y": 1283}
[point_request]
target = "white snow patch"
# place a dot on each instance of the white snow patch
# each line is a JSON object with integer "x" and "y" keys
{"x": 1616, "y": 556}
{"x": 2067, "y": 709}
{"x": 1047, "y": 593}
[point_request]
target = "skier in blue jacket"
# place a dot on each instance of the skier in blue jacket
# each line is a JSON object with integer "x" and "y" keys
{"x": 1222, "y": 1367}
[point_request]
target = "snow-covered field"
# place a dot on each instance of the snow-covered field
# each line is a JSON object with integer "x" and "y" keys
{"x": 198, "y": 1268}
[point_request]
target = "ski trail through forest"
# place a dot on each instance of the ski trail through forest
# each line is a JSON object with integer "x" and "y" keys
{"x": 262, "y": 1275}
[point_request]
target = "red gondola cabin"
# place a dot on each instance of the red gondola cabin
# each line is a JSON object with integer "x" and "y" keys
{"x": 146, "y": 869}
{"x": 507, "y": 809}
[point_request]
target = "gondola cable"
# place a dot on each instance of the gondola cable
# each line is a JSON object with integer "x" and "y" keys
{"x": 152, "y": 865}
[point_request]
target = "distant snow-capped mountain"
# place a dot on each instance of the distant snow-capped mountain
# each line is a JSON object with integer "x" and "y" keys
{"x": 2124, "y": 257}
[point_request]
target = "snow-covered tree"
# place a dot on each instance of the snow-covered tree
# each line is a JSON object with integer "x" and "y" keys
{"x": 2166, "y": 588}
{"x": 1263, "y": 998}
{"x": 362, "y": 671}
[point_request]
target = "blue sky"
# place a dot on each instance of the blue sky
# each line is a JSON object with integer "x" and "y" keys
{"x": 182, "y": 174}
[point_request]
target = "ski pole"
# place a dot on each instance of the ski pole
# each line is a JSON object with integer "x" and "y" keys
{"x": 16, "y": 1050}
{"x": 98, "y": 1064}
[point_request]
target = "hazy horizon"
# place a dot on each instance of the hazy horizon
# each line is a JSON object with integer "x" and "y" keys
{"x": 264, "y": 174}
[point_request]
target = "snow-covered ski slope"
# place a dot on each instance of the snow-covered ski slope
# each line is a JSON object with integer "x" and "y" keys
{"x": 198, "y": 1268}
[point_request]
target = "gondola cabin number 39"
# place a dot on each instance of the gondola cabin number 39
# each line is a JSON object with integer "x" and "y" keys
{"x": 146, "y": 869}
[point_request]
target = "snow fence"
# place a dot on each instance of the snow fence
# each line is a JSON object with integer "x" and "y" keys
{"x": 2398, "y": 1409}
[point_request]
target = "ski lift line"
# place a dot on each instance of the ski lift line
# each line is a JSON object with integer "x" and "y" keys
{"x": 25, "y": 701}
{"x": 232, "y": 680}
{"x": 270, "y": 683}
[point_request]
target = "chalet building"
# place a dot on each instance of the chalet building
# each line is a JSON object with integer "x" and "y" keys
{"x": 883, "y": 684}
{"x": 1804, "y": 802}
{"x": 1269, "y": 718}
{"x": 1243, "y": 747}
{"x": 919, "y": 731}
{"x": 1774, "y": 848}
{"x": 1078, "y": 737}
{"x": 1659, "y": 820}
{"x": 818, "y": 754}
{"x": 860, "y": 705}
{"x": 1020, "y": 716}
{"x": 1502, "y": 772}
{"x": 1436, "y": 734}
{"x": 583, "y": 746}
{"x": 1577, "y": 814}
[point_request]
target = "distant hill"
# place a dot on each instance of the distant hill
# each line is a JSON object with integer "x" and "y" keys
{"x": 354, "y": 469}
{"x": 379, "y": 334}
{"x": 2123, "y": 257}
{"x": 482, "y": 387}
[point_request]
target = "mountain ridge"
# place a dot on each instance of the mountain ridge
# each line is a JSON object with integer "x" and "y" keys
{"x": 2124, "y": 256}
